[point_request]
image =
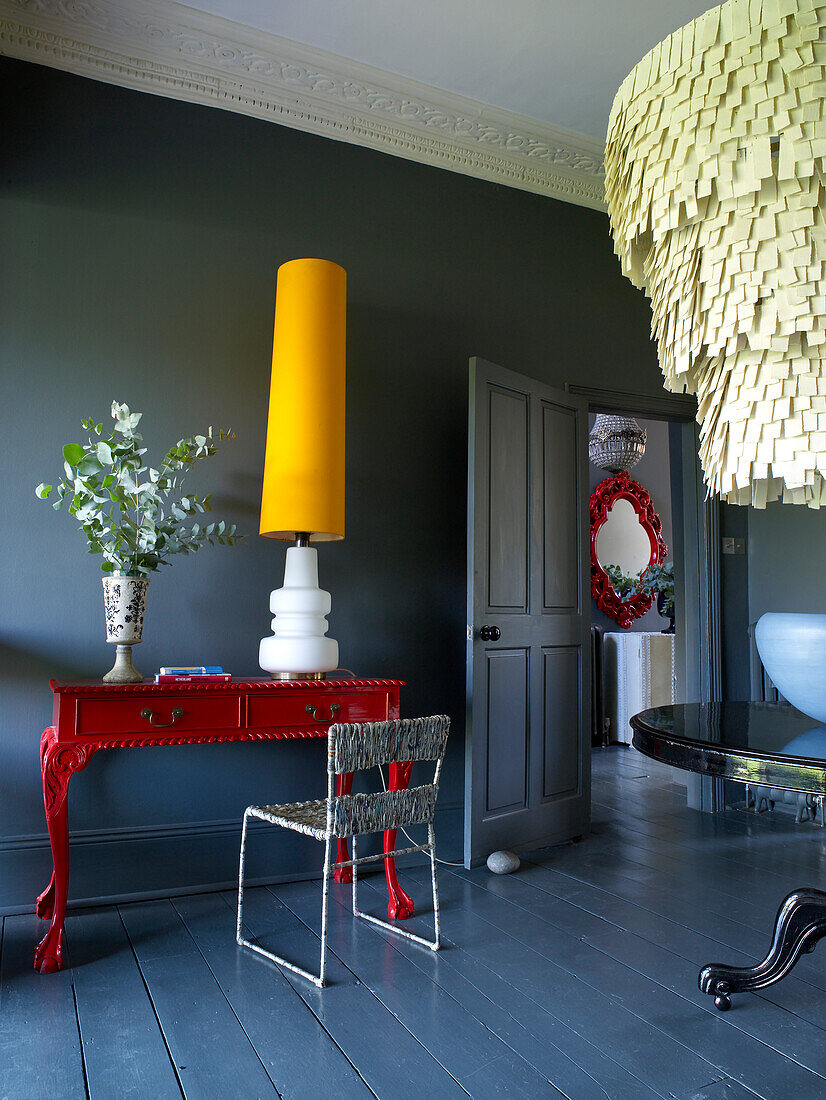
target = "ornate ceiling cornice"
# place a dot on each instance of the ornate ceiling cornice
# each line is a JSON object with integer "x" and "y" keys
{"x": 163, "y": 47}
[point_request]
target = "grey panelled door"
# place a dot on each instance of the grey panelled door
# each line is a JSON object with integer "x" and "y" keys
{"x": 527, "y": 771}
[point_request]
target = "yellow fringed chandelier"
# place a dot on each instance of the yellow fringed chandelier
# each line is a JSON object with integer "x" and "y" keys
{"x": 715, "y": 162}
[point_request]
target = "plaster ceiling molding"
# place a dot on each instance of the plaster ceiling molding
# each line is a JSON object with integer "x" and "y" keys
{"x": 163, "y": 47}
{"x": 715, "y": 187}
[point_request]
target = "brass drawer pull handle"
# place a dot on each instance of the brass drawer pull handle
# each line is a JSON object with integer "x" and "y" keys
{"x": 334, "y": 709}
{"x": 177, "y": 712}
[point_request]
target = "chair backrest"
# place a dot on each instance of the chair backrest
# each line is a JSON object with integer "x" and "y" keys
{"x": 356, "y": 746}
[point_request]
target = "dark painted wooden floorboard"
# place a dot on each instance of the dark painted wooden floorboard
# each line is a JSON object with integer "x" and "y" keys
{"x": 386, "y": 1054}
{"x": 584, "y": 1001}
{"x": 612, "y": 868}
{"x": 122, "y": 1041}
{"x": 695, "y": 933}
{"x": 576, "y": 1066}
{"x": 727, "y": 892}
{"x": 39, "y": 1043}
{"x": 300, "y": 1056}
{"x": 773, "y": 848}
{"x": 721, "y": 1090}
{"x": 738, "y": 923}
{"x": 472, "y": 1054}
{"x": 768, "y": 853}
{"x": 617, "y": 962}
{"x": 770, "y": 859}
{"x": 580, "y": 971}
{"x": 213, "y": 1056}
{"x": 769, "y": 846}
{"x": 675, "y": 820}
{"x": 737, "y": 894}
{"x": 676, "y": 968}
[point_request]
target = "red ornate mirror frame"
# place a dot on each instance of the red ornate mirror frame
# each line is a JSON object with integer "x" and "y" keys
{"x": 602, "y": 501}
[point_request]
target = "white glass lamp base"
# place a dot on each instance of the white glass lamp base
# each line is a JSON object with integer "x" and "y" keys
{"x": 298, "y": 647}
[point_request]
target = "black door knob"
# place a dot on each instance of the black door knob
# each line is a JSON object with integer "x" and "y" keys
{"x": 490, "y": 633}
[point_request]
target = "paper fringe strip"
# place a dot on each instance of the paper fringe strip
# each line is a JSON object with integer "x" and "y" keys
{"x": 715, "y": 188}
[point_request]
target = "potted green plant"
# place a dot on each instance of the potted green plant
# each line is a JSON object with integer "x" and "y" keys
{"x": 655, "y": 580}
{"x": 135, "y": 516}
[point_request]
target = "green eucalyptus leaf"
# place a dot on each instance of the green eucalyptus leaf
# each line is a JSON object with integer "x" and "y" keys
{"x": 73, "y": 453}
{"x": 88, "y": 466}
{"x": 126, "y": 512}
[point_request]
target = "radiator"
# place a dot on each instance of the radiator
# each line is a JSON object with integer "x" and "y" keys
{"x": 638, "y": 672}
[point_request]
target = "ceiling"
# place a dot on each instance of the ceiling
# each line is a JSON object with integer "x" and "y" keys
{"x": 559, "y": 61}
{"x": 517, "y": 92}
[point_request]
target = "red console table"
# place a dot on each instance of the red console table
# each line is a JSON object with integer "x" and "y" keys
{"x": 92, "y": 715}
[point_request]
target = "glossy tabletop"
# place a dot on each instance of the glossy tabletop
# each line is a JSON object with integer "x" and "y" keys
{"x": 762, "y": 743}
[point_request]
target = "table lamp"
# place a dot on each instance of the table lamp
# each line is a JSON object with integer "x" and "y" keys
{"x": 303, "y": 493}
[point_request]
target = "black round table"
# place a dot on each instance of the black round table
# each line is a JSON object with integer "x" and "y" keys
{"x": 768, "y": 744}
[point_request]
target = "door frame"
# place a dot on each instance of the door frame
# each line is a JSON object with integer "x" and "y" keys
{"x": 697, "y": 527}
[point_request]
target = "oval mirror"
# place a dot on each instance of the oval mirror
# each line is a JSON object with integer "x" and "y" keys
{"x": 622, "y": 541}
{"x": 625, "y": 532}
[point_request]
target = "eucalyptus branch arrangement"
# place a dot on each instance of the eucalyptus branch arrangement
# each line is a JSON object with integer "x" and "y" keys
{"x": 134, "y": 515}
{"x": 652, "y": 579}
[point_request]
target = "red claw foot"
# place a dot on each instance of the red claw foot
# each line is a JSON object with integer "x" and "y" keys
{"x": 400, "y": 911}
{"x": 343, "y": 874}
{"x": 44, "y": 906}
{"x": 401, "y": 906}
{"x": 48, "y": 957}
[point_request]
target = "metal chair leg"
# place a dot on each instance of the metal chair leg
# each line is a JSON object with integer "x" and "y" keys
{"x": 434, "y": 945}
{"x": 317, "y": 979}
{"x": 324, "y": 906}
{"x": 355, "y": 877}
{"x": 241, "y": 860}
{"x": 431, "y": 836}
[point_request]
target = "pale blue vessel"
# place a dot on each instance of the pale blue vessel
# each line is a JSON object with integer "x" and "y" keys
{"x": 792, "y": 648}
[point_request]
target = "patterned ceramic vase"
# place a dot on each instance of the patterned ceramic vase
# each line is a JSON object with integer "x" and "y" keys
{"x": 124, "y": 603}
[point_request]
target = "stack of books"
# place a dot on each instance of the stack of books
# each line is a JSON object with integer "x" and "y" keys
{"x": 187, "y": 674}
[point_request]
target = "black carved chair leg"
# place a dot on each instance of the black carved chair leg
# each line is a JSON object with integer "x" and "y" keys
{"x": 800, "y": 923}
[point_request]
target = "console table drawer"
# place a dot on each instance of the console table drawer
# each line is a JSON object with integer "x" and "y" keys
{"x": 97, "y": 717}
{"x": 293, "y": 713}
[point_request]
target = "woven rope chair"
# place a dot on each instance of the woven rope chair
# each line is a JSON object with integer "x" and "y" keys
{"x": 354, "y": 747}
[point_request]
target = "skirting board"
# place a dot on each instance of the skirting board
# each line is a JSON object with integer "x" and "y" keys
{"x": 142, "y": 864}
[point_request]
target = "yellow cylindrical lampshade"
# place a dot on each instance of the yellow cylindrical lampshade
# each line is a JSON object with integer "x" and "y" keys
{"x": 304, "y": 463}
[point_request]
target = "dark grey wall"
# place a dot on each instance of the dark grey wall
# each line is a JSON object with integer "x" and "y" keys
{"x": 140, "y": 241}
{"x": 734, "y": 603}
{"x": 653, "y": 472}
{"x": 787, "y": 560}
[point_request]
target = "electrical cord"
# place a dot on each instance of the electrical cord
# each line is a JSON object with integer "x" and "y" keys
{"x": 444, "y": 862}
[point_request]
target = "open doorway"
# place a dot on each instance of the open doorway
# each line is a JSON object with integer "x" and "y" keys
{"x": 637, "y": 563}
{"x": 694, "y": 545}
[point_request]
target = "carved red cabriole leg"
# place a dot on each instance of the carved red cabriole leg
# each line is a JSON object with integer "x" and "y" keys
{"x": 344, "y": 785}
{"x": 44, "y": 906}
{"x": 399, "y": 905}
{"x": 58, "y": 763}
